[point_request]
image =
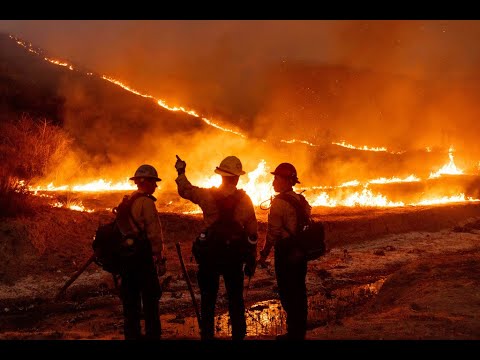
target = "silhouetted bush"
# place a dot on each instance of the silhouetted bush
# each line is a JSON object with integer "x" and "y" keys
{"x": 29, "y": 148}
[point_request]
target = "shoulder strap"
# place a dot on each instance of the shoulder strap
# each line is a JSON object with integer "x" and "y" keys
{"x": 130, "y": 201}
{"x": 301, "y": 214}
{"x": 227, "y": 204}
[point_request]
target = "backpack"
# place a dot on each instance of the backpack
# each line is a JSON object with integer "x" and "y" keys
{"x": 225, "y": 241}
{"x": 115, "y": 251}
{"x": 310, "y": 234}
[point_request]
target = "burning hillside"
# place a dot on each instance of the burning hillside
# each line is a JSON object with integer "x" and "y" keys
{"x": 392, "y": 199}
{"x": 332, "y": 174}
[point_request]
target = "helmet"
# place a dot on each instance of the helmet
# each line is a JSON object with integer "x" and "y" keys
{"x": 287, "y": 170}
{"x": 230, "y": 166}
{"x": 146, "y": 171}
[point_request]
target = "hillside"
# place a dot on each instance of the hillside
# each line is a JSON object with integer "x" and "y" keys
{"x": 401, "y": 273}
{"x": 87, "y": 106}
{"x": 312, "y": 102}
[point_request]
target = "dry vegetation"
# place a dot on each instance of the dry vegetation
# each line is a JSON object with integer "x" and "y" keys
{"x": 391, "y": 274}
{"x": 29, "y": 149}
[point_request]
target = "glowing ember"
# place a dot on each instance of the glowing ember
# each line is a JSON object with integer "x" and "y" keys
{"x": 77, "y": 206}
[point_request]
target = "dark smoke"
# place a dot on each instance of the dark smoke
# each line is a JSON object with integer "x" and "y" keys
{"x": 405, "y": 85}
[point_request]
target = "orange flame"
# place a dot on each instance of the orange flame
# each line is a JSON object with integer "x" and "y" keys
{"x": 94, "y": 186}
{"x": 76, "y": 206}
{"x": 365, "y": 148}
{"x": 258, "y": 186}
{"x": 393, "y": 179}
{"x": 448, "y": 169}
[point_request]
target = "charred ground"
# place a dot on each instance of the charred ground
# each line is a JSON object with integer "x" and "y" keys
{"x": 407, "y": 273}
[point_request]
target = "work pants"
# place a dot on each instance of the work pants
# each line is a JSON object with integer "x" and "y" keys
{"x": 140, "y": 286}
{"x": 208, "y": 280}
{"x": 291, "y": 272}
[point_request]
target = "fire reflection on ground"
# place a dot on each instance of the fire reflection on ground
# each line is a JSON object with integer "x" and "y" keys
{"x": 267, "y": 318}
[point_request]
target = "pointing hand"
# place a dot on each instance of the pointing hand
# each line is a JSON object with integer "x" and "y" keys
{"x": 180, "y": 165}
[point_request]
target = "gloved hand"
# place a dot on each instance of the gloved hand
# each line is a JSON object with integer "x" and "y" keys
{"x": 160, "y": 265}
{"x": 180, "y": 165}
{"x": 250, "y": 266}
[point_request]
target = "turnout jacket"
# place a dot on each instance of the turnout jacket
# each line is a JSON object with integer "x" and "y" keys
{"x": 146, "y": 216}
{"x": 244, "y": 212}
{"x": 282, "y": 216}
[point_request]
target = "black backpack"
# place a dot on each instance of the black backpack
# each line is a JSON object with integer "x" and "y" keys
{"x": 114, "y": 250}
{"x": 225, "y": 241}
{"x": 310, "y": 234}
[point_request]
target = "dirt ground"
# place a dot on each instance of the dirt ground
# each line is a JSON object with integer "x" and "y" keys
{"x": 398, "y": 274}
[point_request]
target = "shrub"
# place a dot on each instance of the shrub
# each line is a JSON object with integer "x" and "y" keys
{"x": 29, "y": 148}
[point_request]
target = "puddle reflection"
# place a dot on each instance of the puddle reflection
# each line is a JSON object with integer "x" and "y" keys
{"x": 268, "y": 317}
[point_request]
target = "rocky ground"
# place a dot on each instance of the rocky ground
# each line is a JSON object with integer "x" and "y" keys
{"x": 398, "y": 274}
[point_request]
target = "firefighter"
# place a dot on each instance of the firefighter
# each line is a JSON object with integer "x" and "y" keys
{"x": 290, "y": 262}
{"x": 139, "y": 283}
{"x": 213, "y": 263}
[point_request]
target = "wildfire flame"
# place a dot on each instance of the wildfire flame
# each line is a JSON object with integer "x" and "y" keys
{"x": 362, "y": 198}
{"x": 77, "y": 206}
{"x": 448, "y": 169}
{"x": 94, "y": 186}
{"x": 293, "y": 141}
{"x": 393, "y": 179}
{"x": 258, "y": 186}
{"x": 365, "y": 148}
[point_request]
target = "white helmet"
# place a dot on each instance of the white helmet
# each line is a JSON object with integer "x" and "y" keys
{"x": 146, "y": 171}
{"x": 230, "y": 166}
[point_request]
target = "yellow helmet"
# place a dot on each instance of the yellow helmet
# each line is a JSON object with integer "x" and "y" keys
{"x": 146, "y": 171}
{"x": 230, "y": 166}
